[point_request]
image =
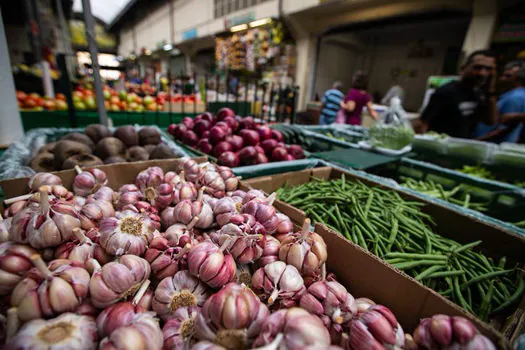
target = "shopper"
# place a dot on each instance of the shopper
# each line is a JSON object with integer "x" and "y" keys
{"x": 332, "y": 103}
{"x": 510, "y": 105}
{"x": 356, "y": 99}
{"x": 395, "y": 90}
{"x": 456, "y": 108}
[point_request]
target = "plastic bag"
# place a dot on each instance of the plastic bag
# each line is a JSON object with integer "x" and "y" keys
{"x": 393, "y": 130}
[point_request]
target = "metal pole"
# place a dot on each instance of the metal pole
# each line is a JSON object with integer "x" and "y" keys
{"x": 65, "y": 38}
{"x": 93, "y": 51}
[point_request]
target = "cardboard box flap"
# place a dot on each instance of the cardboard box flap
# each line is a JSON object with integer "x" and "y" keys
{"x": 117, "y": 174}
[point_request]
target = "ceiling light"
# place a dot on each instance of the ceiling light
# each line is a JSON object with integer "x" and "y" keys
{"x": 260, "y": 22}
{"x": 147, "y": 52}
{"x": 239, "y": 28}
{"x": 168, "y": 47}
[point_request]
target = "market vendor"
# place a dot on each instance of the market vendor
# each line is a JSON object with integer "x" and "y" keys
{"x": 456, "y": 108}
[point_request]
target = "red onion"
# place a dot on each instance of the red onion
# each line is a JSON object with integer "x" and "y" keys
{"x": 217, "y": 134}
{"x": 201, "y": 126}
{"x": 221, "y": 148}
{"x": 265, "y": 133}
{"x": 289, "y": 157}
{"x": 260, "y": 158}
{"x": 247, "y": 155}
{"x": 190, "y": 138}
{"x": 228, "y": 159}
{"x": 173, "y": 129}
{"x": 232, "y": 317}
{"x": 293, "y": 329}
{"x": 224, "y": 126}
{"x": 179, "y": 131}
{"x": 296, "y": 151}
{"x": 207, "y": 116}
{"x": 187, "y": 122}
{"x": 268, "y": 146}
{"x": 277, "y": 135}
{"x": 206, "y": 134}
{"x": 247, "y": 123}
{"x": 232, "y": 123}
{"x": 211, "y": 264}
{"x": 180, "y": 290}
{"x": 236, "y": 141}
{"x": 204, "y": 145}
{"x": 250, "y": 137}
{"x": 225, "y": 112}
{"x": 279, "y": 154}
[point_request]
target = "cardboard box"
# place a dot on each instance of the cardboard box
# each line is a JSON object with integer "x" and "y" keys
{"x": 362, "y": 273}
{"x": 497, "y": 242}
{"x": 118, "y": 174}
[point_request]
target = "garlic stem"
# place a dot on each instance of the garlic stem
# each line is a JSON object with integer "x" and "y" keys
{"x": 323, "y": 272}
{"x": 271, "y": 198}
{"x": 226, "y": 244}
{"x": 140, "y": 293}
{"x": 78, "y": 170}
{"x": 92, "y": 265}
{"x": 183, "y": 251}
{"x": 36, "y": 259}
{"x": 201, "y": 193}
{"x": 13, "y": 323}
{"x": 80, "y": 235}
{"x": 274, "y": 345}
{"x": 273, "y": 296}
{"x": 44, "y": 199}
{"x": 19, "y": 198}
{"x": 305, "y": 229}
{"x": 336, "y": 317}
{"x": 192, "y": 223}
{"x": 182, "y": 177}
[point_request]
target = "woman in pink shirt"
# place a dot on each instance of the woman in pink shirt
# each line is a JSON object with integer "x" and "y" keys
{"x": 356, "y": 99}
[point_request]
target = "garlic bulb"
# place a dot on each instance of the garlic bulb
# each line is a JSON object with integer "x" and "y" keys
{"x": 442, "y": 331}
{"x": 82, "y": 250}
{"x": 15, "y": 208}
{"x": 193, "y": 172}
{"x": 231, "y": 182}
{"x": 4, "y": 230}
{"x": 299, "y": 330}
{"x": 126, "y": 233}
{"x": 117, "y": 279}
{"x": 305, "y": 250}
{"x": 211, "y": 264}
{"x": 103, "y": 194}
{"x": 375, "y": 328}
{"x": 331, "y": 302}
{"x": 166, "y": 260}
{"x": 279, "y": 284}
{"x": 128, "y": 194}
{"x": 224, "y": 209}
{"x": 183, "y": 190}
{"x": 270, "y": 252}
{"x": 284, "y": 226}
{"x": 91, "y": 213}
{"x": 47, "y": 291}
{"x": 178, "y": 331}
{"x": 181, "y": 290}
{"x": 88, "y": 181}
{"x": 15, "y": 261}
{"x": 43, "y": 179}
{"x": 145, "y": 209}
{"x": 67, "y": 331}
{"x": 142, "y": 333}
{"x": 180, "y": 234}
{"x": 214, "y": 184}
{"x": 232, "y": 317}
{"x": 186, "y": 210}
{"x": 46, "y": 226}
{"x": 121, "y": 314}
{"x": 246, "y": 240}
{"x": 263, "y": 212}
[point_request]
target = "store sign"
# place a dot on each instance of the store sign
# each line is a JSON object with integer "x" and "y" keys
{"x": 241, "y": 19}
{"x": 189, "y": 34}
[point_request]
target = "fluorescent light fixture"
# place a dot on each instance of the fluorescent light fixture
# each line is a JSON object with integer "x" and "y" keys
{"x": 147, "y": 52}
{"x": 238, "y": 28}
{"x": 168, "y": 47}
{"x": 260, "y": 22}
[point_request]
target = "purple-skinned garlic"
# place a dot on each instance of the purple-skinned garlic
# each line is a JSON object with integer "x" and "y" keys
{"x": 82, "y": 249}
{"x": 263, "y": 212}
{"x": 166, "y": 260}
{"x": 15, "y": 261}
{"x": 143, "y": 332}
{"x": 88, "y": 181}
{"x": 211, "y": 264}
{"x": 179, "y": 330}
{"x": 43, "y": 179}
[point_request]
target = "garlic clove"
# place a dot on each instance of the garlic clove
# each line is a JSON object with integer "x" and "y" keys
{"x": 463, "y": 329}
{"x": 441, "y": 329}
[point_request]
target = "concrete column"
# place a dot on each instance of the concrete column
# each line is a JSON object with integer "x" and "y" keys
{"x": 482, "y": 26}
{"x": 305, "y": 45}
{"x": 10, "y": 123}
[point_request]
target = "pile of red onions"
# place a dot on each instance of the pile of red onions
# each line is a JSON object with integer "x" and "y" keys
{"x": 234, "y": 140}
{"x": 184, "y": 260}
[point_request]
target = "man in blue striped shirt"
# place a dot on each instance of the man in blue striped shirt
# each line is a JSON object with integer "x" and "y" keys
{"x": 332, "y": 101}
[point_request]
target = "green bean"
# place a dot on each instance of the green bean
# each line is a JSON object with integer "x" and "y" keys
{"x": 446, "y": 274}
{"x": 417, "y": 256}
{"x": 412, "y": 264}
{"x": 428, "y": 272}
{"x": 484, "y": 277}
{"x": 517, "y": 294}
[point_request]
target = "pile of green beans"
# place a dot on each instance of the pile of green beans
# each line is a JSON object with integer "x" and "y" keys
{"x": 397, "y": 231}
{"x": 458, "y": 195}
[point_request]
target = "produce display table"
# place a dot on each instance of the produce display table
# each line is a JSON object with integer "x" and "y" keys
{"x": 356, "y": 158}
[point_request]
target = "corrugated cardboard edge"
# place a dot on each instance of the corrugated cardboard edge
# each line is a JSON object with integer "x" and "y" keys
{"x": 365, "y": 275}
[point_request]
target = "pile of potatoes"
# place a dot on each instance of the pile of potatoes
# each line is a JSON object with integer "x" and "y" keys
{"x": 97, "y": 146}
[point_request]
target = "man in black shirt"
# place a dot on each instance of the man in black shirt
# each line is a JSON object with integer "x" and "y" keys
{"x": 456, "y": 107}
